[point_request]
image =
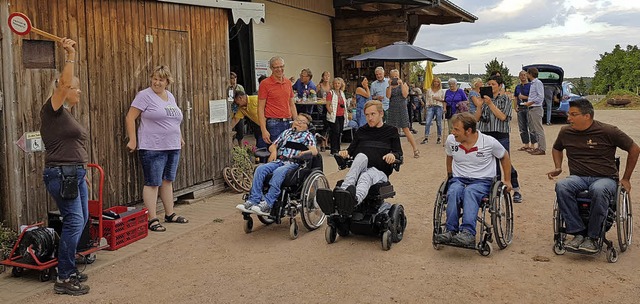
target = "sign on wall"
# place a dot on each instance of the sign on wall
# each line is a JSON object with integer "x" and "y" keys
{"x": 217, "y": 111}
{"x": 31, "y": 142}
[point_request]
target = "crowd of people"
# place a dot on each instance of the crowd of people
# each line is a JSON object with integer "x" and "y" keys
{"x": 477, "y": 148}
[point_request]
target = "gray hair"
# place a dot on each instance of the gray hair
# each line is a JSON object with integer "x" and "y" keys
{"x": 379, "y": 69}
{"x": 274, "y": 59}
{"x": 452, "y": 80}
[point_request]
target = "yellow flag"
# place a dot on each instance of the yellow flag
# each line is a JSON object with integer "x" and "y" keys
{"x": 428, "y": 75}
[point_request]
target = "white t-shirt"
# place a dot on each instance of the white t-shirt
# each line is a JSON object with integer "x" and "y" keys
{"x": 479, "y": 161}
{"x": 430, "y": 94}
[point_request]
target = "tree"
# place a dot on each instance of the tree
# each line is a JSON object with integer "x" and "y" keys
{"x": 581, "y": 87}
{"x": 416, "y": 70}
{"x": 492, "y": 66}
{"x": 619, "y": 69}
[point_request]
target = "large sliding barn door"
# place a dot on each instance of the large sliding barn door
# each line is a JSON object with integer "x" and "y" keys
{"x": 171, "y": 48}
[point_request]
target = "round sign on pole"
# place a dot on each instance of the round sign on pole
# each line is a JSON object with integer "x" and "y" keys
{"x": 19, "y": 23}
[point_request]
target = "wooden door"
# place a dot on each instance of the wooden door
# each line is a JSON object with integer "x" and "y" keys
{"x": 171, "y": 48}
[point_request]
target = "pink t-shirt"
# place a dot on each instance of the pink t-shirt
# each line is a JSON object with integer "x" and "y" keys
{"x": 159, "y": 121}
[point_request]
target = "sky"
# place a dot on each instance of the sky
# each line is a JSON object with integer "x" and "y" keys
{"x": 571, "y": 34}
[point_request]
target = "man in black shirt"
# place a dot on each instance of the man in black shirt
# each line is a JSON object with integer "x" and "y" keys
{"x": 375, "y": 146}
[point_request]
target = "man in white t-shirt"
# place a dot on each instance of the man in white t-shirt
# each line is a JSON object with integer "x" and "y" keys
{"x": 471, "y": 167}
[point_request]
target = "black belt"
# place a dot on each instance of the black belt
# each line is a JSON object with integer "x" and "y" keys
{"x": 279, "y": 119}
{"x": 58, "y": 166}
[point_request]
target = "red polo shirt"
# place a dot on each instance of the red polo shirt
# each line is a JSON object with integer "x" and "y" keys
{"x": 278, "y": 95}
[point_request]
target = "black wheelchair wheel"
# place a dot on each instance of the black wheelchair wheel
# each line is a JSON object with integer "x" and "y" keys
{"x": 501, "y": 215}
{"x": 439, "y": 209}
{"x": 330, "y": 234}
{"x": 398, "y": 222}
{"x": 248, "y": 225}
{"x": 624, "y": 219}
{"x": 312, "y": 215}
{"x": 265, "y": 219}
{"x": 386, "y": 240}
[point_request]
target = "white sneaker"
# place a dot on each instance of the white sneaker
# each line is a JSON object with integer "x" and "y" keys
{"x": 261, "y": 209}
{"x": 245, "y": 207}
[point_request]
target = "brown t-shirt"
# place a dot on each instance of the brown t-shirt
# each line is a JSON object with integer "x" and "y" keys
{"x": 63, "y": 136}
{"x": 592, "y": 152}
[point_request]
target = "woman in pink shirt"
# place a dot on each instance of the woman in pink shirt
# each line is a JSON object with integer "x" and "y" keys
{"x": 158, "y": 141}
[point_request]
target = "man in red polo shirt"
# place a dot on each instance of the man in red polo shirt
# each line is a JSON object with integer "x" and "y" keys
{"x": 276, "y": 103}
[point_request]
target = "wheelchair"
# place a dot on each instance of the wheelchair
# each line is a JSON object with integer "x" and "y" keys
{"x": 500, "y": 225}
{"x": 373, "y": 217}
{"x": 619, "y": 212}
{"x": 297, "y": 195}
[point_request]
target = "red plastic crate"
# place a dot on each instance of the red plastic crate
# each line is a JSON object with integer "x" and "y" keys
{"x": 130, "y": 227}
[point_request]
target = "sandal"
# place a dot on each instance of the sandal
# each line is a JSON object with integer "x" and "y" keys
{"x": 524, "y": 149}
{"x": 416, "y": 153}
{"x": 174, "y": 218}
{"x": 154, "y": 225}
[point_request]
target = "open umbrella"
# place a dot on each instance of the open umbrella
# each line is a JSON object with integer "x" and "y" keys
{"x": 402, "y": 52}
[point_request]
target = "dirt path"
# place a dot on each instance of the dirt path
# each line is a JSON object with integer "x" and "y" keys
{"x": 219, "y": 263}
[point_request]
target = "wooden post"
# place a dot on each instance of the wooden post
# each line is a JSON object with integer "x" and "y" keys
{"x": 12, "y": 177}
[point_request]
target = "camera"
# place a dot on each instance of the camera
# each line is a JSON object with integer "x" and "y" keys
{"x": 394, "y": 81}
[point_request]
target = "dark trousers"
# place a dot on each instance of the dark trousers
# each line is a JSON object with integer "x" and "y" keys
{"x": 335, "y": 133}
{"x": 504, "y": 141}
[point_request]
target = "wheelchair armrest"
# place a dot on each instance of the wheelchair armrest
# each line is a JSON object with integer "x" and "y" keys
{"x": 263, "y": 153}
{"x": 302, "y": 158}
{"x": 343, "y": 163}
{"x": 396, "y": 164}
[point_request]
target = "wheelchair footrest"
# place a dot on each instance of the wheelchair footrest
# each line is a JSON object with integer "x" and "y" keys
{"x": 325, "y": 200}
{"x": 345, "y": 202}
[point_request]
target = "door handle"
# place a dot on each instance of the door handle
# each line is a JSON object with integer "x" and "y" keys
{"x": 189, "y": 108}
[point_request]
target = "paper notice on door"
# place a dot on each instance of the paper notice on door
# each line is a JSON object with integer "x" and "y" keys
{"x": 217, "y": 111}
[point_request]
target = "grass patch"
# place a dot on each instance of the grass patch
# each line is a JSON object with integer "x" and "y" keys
{"x": 619, "y": 95}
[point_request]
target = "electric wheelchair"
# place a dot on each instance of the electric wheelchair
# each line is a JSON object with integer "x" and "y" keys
{"x": 297, "y": 195}
{"x": 500, "y": 225}
{"x": 618, "y": 212}
{"x": 373, "y": 216}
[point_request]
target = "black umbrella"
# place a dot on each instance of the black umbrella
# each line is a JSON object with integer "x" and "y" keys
{"x": 402, "y": 52}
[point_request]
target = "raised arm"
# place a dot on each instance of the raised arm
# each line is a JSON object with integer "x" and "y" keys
{"x": 63, "y": 86}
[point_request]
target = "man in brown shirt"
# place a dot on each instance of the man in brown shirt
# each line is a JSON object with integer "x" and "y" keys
{"x": 591, "y": 147}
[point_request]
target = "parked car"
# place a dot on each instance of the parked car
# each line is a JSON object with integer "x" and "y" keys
{"x": 556, "y": 91}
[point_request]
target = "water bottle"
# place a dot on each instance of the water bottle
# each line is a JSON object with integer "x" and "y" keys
{"x": 304, "y": 96}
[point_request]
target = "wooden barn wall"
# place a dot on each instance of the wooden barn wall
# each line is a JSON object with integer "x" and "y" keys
{"x": 324, "y": 7}
{"x": 119, "y": 43}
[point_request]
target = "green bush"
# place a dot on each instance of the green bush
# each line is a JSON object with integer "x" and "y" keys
{"x": 8, "y": 238}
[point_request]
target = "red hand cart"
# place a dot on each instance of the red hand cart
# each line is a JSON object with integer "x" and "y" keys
{"x": 20, "y": 263}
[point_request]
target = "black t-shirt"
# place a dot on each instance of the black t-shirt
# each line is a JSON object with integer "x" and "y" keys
{"x": 376, "y": 143}
{"x": 592, "y": 152}
{"x": 63, "y": 136}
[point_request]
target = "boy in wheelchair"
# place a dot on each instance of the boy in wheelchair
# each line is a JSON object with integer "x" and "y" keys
{"x": 374, "y": 149}
{"x": 591, "y": 146}
{"x": 292, "y": 144}
{"x": 471, "y": 167}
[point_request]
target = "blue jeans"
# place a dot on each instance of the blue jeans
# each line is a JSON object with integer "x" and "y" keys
{"x": 276, "y": 127}
{"x": 549, "y": 107}
{"x": 602, "y": 190}
{"x": 75, "y": 214}
{"x": 159, "y": 165}
{"x": 465, "y": 193}
{"x": 523, "y": 125}
{"x": 514, "y": 174}
{"x": 433, "y": 111}
{"x": 279, "y": 170}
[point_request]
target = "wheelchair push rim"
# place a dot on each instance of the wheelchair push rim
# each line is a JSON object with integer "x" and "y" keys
{"x": 624, "y": 219}
{"x": 502, "y": 215}
{"x": 438, "y": 209}
{"x": 312, "y": 215}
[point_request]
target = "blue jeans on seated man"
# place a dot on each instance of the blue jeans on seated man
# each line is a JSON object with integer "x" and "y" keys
{"x": 279, "y": 170}
{"x": 276, "y": 127}
{"x": 602, "y": 190}
{"x": 75, "y": 214}
{"x": 465, "y": 193}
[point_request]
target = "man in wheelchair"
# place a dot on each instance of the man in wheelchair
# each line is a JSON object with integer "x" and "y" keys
{"x": 591, "y": 146}
{"x": 376, "y": 146}
{"x": 471, "y": 167}
{"x": 291, "y": 144}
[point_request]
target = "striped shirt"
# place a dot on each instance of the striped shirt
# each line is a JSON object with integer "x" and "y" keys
{"x": 303, "y": 137}
{"x": 489, "y": 123}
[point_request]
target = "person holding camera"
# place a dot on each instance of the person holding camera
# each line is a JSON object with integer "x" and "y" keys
{"x": 493, "y": 119}
{"x": 336, "y": 105}
{"x": 397, "y": 92}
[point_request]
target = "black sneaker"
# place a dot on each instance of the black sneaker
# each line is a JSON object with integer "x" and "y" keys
{"x": 79, "y": 276}
{"x": 464, "y": 238}
{"x": 445, "y": 238}
{"x": 70, "y": 287}
{"x": 438, "y": 141}
{"x": 589, "y": 245}
{"x": 575, "y": 243}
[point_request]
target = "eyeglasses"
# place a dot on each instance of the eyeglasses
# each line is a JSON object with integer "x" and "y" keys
{"x": 575, "y": 114}
{"x": 278, "y": 67}
{"x": 302, "y": 121}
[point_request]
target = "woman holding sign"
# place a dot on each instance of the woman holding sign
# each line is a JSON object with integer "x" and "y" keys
{"x": 65, "y": 169}
{"x": 158, "y": 141}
